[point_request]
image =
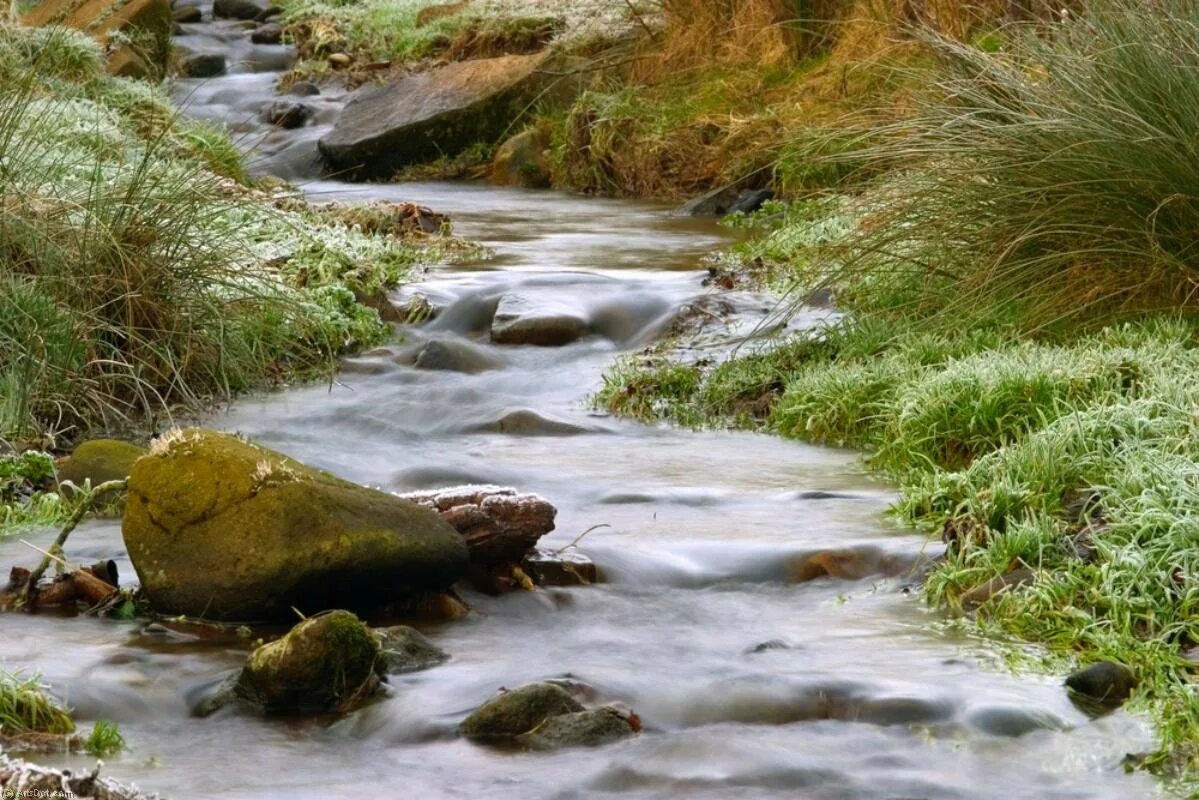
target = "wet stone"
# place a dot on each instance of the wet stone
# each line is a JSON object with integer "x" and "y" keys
{"x": 203, "y": 65}
{"x": 1105, "y": 683}
{"x": 270, "y": 33}
{"x": 1014, "y": 722}
{"x": 512, "y": 713}
{"x": 236, "y": 9}
{"x": 455, "y": 356}
{"x": 287, "y": 114}
{"x": 404, "y": 649}
{"x": 187, "y": 14}
{"x": 304, "y": 89}
{"x": 560, "y": 569}
{"x": 581, "y": 729}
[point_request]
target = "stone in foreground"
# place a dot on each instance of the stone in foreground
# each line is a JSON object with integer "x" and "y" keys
{"x": 592, "y": 728}
{"x": 220, "y": 528}
{"x": 1104, "y": 683}
{"x": 327, "y": 663}
{"x": 431, "y": 114}
{"x": 512, "y": 713}
{"x": 520, "y": 320}
{"x": 498, "y": 524}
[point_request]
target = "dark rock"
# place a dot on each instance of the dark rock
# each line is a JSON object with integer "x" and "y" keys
{"x": 304, "y": 89}
{"x": 512, "y": 713}
{"x": 187, "y": 14}
{"x": 901, "y": 710}
{"x": 520, "y": 320}
{"x": 767, "y": 646}
{"x": 560, "y": 569}
{"x": 750, "y": 200}
{"x": 202, "y": 65}
{"x": 452, "y": 355}
{"x": 1106, "y": 683}
{"x": 986, "y": 591}
{"x": 287, "y": 114}
{"x": 220, "y": 528}
{"x": 328, "y": 662}
{"x": 435, "y": 113}
{"x": 498, "y": 525}
{"x": 526, "y": 422}
{"x": 99, "y": 461}
{"x": 404, "y": 649}
{"x": 1004, "y": 721}
{"x": 581, "y": 729}
{"x": 270, "y": 33}
{"x": 269, "y": 13}
{"x": 236, "y": 9}
{"x": 521, "y": 161}
{"x": 715, "y": 203}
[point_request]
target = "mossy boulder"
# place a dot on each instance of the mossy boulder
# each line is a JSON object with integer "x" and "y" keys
{"x": 439, "y": 112}
{"x": 218, "y": 527}
{"x": 99, "y": 460}
{"x": 327, "y": 663}
{"x": 512, "y": 713}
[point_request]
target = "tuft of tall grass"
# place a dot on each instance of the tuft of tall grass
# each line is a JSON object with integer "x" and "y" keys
{"x": 27, "y": 707}
{"x": 1051, "y": 183}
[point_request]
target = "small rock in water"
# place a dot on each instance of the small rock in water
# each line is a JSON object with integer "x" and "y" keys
{"x": 750, "y": 200}
{"x": 236, "y": 9}
{"x": 270, "y": 33}
{"x": 581, "y": 729}
{"x": 304, "y": 89}
{"x": 519, "y": 320}
{"x": 499, "y": 524}
{"x": 269, "y": 13}
{"x": 767, "y": 646}
{"x": 187, "y": 14}
{"x": 287, "y": 114}
{"x": 512, "y": 713}
{"x": 455, "y": 356}
{"x": 1105, "y": 683}
{"x": 203, "y": 65}
{"x": 526, "y": 422}
{"x": 560, "y": 569}
{"x": 327, "y": 662}
{"x": 404, "y": 649}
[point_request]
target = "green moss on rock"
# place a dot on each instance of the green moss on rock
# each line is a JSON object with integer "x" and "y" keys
{"x": 218, "y": 527}
{"x": 100, "y": 460}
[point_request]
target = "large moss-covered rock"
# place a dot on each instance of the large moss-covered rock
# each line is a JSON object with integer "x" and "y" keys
{"x": 328, "y": 662}
{"x": 436, "y": 113}
{"x": 220, "y": 528}
{"x": 512, "y": 713}
{"x": 99, "y": 460}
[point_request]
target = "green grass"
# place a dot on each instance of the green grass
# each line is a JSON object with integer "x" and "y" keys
{"x": 1050, "y": 183}
{"x": 137, "y": 276}
{"x": 27, "y": 707}
{"x": 105, "y": 740}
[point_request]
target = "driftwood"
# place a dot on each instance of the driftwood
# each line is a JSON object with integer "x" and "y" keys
{"x": 21, "y": 779}
{"x": 499, "y": 525}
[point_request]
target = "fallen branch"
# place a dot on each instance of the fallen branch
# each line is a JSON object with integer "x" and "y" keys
{"x": 85, "y": 505}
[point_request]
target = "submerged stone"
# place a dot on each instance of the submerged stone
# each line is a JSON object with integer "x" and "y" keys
{"x": 512, "y": 713}
{"x": 404, "y": 649}
{"x": 217, "y": 527}
{"x": 581, "y": 729}
{"x": 521, "y": 320}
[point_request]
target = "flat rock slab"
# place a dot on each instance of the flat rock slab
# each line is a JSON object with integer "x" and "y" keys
{"x": 522, "y": 320}
{"x": 498, "y": 524}
{"x": 431, "y": 114}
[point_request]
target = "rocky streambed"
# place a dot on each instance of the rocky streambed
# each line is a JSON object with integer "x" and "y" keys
{"x": 752, "y": 632}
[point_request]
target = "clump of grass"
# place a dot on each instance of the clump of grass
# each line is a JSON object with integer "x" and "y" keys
{"x": 1047, "y": 182}
{"x": 105, "y": 740}
{"x": 27, "y": 707}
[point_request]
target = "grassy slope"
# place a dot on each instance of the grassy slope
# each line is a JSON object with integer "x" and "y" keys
{"x": 1020, "y": 343}
{"x": 140, "y": 276}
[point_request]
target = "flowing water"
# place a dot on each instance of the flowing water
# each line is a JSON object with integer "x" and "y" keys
{"x": 749, "y": 682}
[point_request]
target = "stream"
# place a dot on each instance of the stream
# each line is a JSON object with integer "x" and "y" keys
{"x": 750, "y": 683}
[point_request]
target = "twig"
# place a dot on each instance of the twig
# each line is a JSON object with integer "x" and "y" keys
{"x": 85, "y": 505}
{"x": 579, "y": 538}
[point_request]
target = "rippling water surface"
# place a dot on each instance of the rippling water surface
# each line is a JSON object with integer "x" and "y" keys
{"x": 750, "y": 684}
